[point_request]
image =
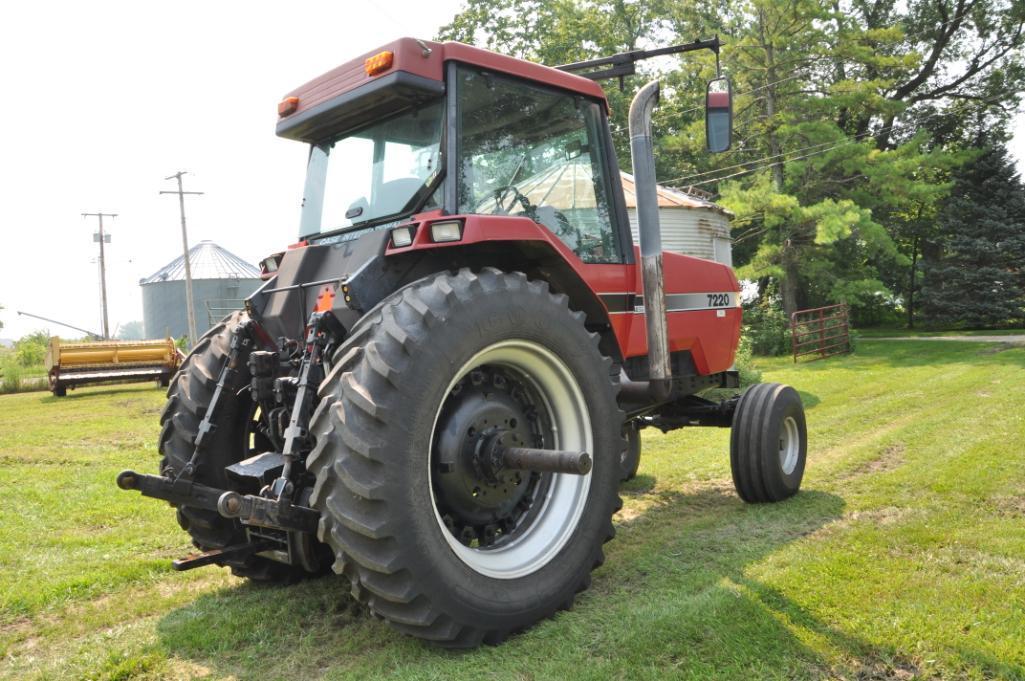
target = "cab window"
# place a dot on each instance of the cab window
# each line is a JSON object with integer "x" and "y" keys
{"x": 535, "y": 152}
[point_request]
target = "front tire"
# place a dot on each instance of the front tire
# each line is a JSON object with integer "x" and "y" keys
{"x": 768, "y": 443}
{"x": 631, "y": 459}
{"x": 448, "y": 359}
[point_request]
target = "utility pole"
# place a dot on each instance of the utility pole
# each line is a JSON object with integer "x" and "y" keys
{"x": 103, "y": 269}
{"x": 185, "y": 250}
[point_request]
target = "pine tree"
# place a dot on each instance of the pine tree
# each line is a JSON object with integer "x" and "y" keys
{"x": 976, "y": 277}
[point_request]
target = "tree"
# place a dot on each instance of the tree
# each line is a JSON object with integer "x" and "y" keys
{"x": 555, "y": 31}
{"x": 914, "y": 224}
{"x": 978, "y": 278}
{"x": 956, "y": 59}
{"x": 30, "y": 350}
{"x": 830, "y": 246}
{"x": 850, "y": 116}
{"x": 131, "y": 331}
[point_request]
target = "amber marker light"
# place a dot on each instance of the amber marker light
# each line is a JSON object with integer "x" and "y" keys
{"x": 287, "y": 106}
{"x": 379, "y": 63}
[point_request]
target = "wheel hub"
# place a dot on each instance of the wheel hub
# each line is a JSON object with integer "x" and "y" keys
{"x": 480, "y": 502}
{"x": 789, "y": 445}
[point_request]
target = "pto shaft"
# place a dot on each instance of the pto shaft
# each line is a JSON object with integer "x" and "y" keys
{"x": 545, "y": 460}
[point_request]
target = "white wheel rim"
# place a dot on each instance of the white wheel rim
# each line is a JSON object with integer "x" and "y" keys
{"x": 789, "y": 445}
{"x": 566, "y": 497}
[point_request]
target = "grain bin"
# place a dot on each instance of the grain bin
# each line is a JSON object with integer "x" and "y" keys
{"x": 690, "y": 225}
{"x": 220, "y": 281}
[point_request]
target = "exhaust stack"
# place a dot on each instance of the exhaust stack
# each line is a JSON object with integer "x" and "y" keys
{"x": 642, "y": 153}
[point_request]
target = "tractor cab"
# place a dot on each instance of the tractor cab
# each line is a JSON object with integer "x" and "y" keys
{"x": 425, "y": 145}
{"x": 447, "y": 127}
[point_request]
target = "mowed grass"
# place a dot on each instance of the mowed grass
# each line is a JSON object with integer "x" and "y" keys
{"x": 883, "y": 332}
{"x": 903, "y": 556}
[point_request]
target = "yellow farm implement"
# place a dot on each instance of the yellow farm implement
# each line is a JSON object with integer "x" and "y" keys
{"x": 69, "y": 365}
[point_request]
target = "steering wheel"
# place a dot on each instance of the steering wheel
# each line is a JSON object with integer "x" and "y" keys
{"x": 565, "y": 227}
{"x": 585, "y": 244}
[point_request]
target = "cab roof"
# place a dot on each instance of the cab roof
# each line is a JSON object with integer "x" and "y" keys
{"x": 416, "y": 72}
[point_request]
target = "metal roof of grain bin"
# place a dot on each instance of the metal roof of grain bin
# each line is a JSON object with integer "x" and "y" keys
{"x": 220, "y": 281}
{"x": 207, "y": 260}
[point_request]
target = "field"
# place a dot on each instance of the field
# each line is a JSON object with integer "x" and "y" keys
{"x": 904, "y": 556}
{"x": 883, "y": 332}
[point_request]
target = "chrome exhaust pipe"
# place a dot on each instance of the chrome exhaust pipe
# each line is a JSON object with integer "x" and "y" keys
{"x": 643, "y": 157}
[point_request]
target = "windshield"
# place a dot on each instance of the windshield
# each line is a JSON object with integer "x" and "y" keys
{"x": 380, "y": 171}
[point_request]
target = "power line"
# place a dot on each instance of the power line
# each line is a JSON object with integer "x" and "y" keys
{"x": 102, "y": 239}
{"x": 745, "y": 163}
{"x": 735, "y": 94}
{"x": 769, "y": 165}
{"x": 185, "y": 249}
{"x": 856, "y": 138}
{"x": 741, "y": 94}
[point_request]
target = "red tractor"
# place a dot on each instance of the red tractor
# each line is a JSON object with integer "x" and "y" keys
{"x": 439, "y": 388}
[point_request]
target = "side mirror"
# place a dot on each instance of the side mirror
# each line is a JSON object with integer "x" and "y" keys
{"x": 718, "y": 115}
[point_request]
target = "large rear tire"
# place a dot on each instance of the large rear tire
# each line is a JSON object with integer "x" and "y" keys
{"x": 768, "y": 443}
{"x": 188, "y": 397}
{"x": 410, "y": 522}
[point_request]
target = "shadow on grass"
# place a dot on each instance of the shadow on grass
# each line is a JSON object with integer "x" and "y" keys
{"x": 91, "y": 393}
{"x": 707, "y": 535}
{"x": 88, "y": 392}
{"x": 863, "y": 661}
{"x": 251, "y": 626}
{"x": 640, "y": 485}
{"x": 717, "y": 539}
{"x": 675, "y": 596}
{"x": 808, "y": 399}
{"x": 868, "y": 662}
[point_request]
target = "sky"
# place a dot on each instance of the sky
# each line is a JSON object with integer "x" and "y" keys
{"x": 100, "y": 101}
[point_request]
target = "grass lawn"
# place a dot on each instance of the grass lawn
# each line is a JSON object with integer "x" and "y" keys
{"x": 878, "y": 332}
{"x": 904, "y": 555}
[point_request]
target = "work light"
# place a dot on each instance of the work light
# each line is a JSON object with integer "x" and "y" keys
{"x": 446, "y": 231}
{"x": 401, "y": 236}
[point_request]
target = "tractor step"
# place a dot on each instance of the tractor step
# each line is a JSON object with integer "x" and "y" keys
{"x": 219, "y": 556}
